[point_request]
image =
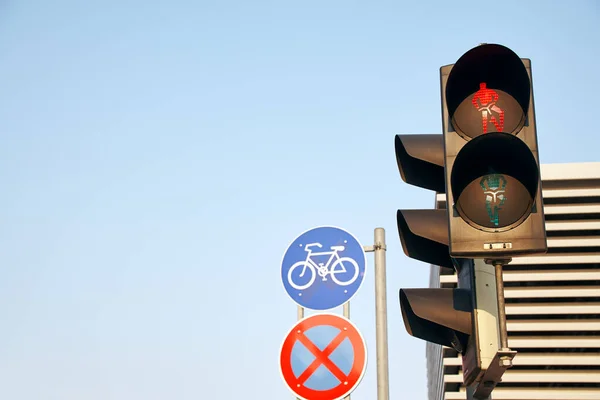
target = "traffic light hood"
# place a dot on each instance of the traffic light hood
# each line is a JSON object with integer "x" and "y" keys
{"x": 441, "y": 316}
{"x": 424, "y": 236}
{"x": 420, "y": 160}
{"x": 486, "y": 75}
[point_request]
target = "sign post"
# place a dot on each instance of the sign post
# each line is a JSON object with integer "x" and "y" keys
{"x": 332, "y": 252}
{"x": 383, "y": 385}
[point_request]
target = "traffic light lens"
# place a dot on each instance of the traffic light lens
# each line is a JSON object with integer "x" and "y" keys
{"x": 488, "y": 110}
{"x": 494, "y": 201}
{"x": 494, "y": 182}
{"x": 488, "y": 90}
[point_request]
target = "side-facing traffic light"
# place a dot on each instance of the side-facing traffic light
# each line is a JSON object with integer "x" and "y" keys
{"x": 461, "y": 318}
{"x": 492, "y": 173}
{"x": 464, "y": 318}
{"x": 423, "y": 233}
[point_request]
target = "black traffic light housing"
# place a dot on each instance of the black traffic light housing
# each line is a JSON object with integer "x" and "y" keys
{"x": 492, "y": 173}
{"x": 420, "y": 160}
{"x": 486, "y": 162}
{"x": 442, "y": 316}
{"x": 423, "y": 233}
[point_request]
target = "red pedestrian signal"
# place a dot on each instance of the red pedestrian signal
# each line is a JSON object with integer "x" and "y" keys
{"x": 486, "y": 101}
{"x": 488, "y": 90}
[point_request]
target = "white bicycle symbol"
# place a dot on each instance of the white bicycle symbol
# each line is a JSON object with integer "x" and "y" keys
{"x": 323, "y": 268}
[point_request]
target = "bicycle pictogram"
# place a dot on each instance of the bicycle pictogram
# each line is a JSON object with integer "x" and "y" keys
{"x": 334, "y": 265}
{"x": 323, "y": 268}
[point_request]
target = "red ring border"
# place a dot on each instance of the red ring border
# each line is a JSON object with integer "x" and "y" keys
{"x": 356, "y": 373}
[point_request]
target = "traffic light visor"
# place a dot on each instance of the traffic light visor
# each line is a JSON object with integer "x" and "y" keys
{"x": 488, "y": 90}
{"x": 420, "y": 160}
{"x": 494, "y": 182}
{"x": 424, "y": 235}
{"x": 441, "y": 316}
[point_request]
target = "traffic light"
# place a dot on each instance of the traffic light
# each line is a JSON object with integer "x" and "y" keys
{"x": 492, "y": 173}
{"x": 486, "y": 162}
{"x": 463, "y": 318}
{"x": 423, "y": 233}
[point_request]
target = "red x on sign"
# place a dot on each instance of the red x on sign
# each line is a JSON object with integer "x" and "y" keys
{"x": 323, "y": 357}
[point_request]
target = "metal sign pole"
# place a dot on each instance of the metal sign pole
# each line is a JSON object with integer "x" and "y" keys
{"x": 300, "y": 313}
{"x": 300, "y": 316}
{"x": 347, "y": 315}
{"x": 381, "y": 316}
{"x": 379, "y": 248}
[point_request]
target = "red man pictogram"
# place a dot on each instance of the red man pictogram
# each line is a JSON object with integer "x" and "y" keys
{"x": 485, "y": 101}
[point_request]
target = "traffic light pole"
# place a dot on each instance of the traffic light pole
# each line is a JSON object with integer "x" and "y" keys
{"x": 504, "y": 356}
{"x": 498, "y": 264}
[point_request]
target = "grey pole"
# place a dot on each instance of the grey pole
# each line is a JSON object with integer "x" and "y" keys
{"x": 471, "y": 394}
{"x": 498, "y": 264}
{"x": 381, "y": 316}
{"x": 347, "y": 315}
{"x": 347, "y": 309}
{"x": 300, "y": 313}
{"x": 300, "y": 316}
{"x": 482, "y": 390}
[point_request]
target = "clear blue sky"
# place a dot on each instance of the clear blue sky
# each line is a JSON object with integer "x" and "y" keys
{"x": 156, "y": 158}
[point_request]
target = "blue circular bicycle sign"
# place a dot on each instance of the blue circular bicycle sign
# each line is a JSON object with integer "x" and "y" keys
{"x": 323, "y": 268}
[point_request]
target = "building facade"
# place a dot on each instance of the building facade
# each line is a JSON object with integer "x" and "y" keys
{"x": 552, "y": 301}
